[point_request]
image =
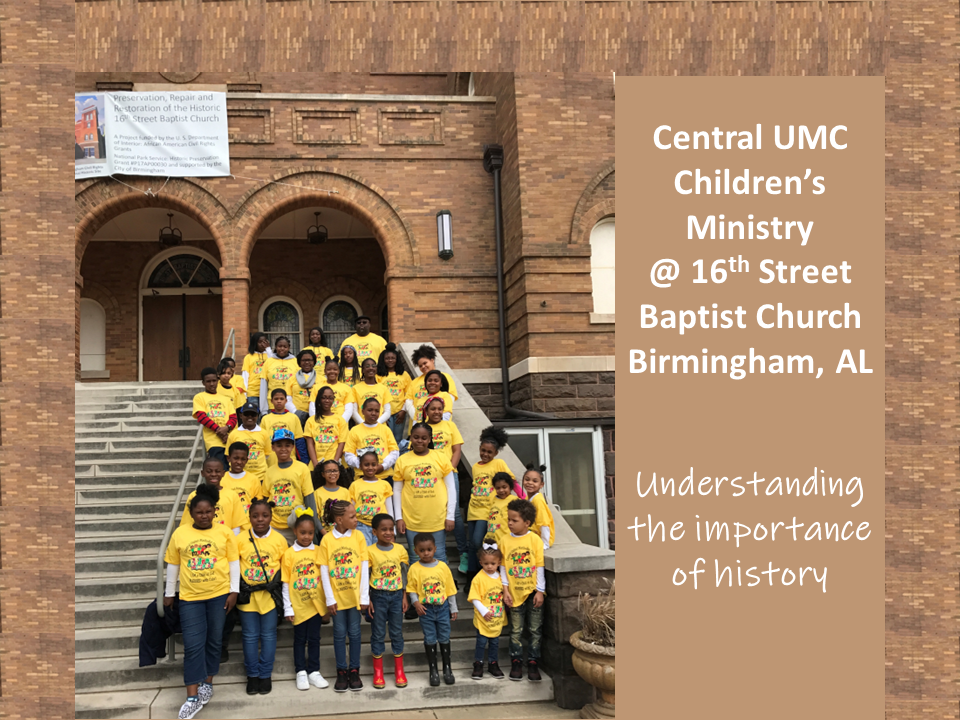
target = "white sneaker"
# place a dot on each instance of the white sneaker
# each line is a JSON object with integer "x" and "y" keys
{"x": 302, "y": 683}
{"x": 189, "y": 709}
{"x": 316, "y": 679}
{"x": 205, "y": 691}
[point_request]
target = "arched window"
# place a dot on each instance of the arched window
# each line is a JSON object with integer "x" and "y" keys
{"x": 338, "y": 318}
{"x": 281, "y": 316}
{"x": 185, "y": 270}
{"x": 93, "y": 335}
{"x": 601, "y": 267}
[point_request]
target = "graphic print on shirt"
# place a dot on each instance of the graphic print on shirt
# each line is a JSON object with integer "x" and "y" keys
{"x": 423, "y": 477}
{"x": 217, "y": 412}
{"x": 368, "y": 504}
{"x": 433, "y": 592}
{"x": 281, "y": 495}
{"x": 201, "y": 555}
{"x": 439, "y": 443}
{"x": 494, "y": 601}
{"x": 518, "y": 558}
{"x": 481, "y": 486}
{"x": 253, "y": 450}
{"x": 344, "y": 565}
{"x": 256, "y": 573}
{"x": 305, "y": 573}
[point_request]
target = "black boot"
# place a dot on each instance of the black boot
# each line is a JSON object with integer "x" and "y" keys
{"x": 432, "y": 662}
{"x": 448, "y": 677}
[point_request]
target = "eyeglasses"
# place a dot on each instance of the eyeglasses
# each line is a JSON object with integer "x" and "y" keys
{"x": 331, "y": 471}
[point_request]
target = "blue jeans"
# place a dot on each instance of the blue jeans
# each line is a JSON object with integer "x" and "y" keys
{"x": 526, "y": 615}
{"x": 346, "y": 622}
{"x": 306, "y": 636}
{"x": 436, "y": 623}
{"x": 387, "y": 612}
{"x": 201, "y": 622}
{"x": 396, "y": 427}
{"x": 367, "y": 532}
{"x": 491, "y": 644}
{"x": 439, "y": 539}
{"x": 459, "y": 532}
{"x": 259, "y": 642}
{"x": 476, "y": 531}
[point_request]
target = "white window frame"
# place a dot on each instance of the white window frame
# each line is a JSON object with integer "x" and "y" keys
{"x": 543, "y": 442}
{"x": 280, "y": 298}
{"x": 337, "y": 298}
{"x": 596, "y": 317}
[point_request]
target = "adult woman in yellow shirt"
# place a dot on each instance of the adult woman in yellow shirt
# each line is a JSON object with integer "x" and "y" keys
{"x": 203, "y": 556}
{"x": 300, "y": 387}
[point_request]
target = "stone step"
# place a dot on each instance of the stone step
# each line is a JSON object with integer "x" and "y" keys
{"x": 230, "y": 699}
{"x": 186, "y": 429}
{"x": 121, "y": 443}
{"x": 119, "y": 481}
{"x": 113, "y": 467}
{"x": 116, "y": 586}
{"x": 108, "y": 512}
{"x": 140, "y": 494}
{"x": 153, "y": 522}
{"x": 100, "y": 613}
{"x": 133, "y": 455}
{"x": 95, "y": 546}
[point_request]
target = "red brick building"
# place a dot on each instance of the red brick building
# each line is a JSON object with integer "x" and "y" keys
{"x": 87, "y": 130}
{"x": 378, "y": 156}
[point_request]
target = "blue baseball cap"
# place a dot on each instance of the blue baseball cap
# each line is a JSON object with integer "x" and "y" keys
{"x": 282, "y": 434}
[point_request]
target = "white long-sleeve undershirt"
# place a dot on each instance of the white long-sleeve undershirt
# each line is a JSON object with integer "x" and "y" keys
{"x": 448, "y": 481}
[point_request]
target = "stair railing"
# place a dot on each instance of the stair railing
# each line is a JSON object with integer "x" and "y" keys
{"x": 231, "y": 343}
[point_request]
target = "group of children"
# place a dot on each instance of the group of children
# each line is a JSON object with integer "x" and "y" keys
{"x": 315, "y": 508}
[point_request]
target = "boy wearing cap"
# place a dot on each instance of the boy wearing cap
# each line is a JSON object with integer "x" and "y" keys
{"x": 366, "y": 343}
{"x": 287, "y": 484}
{"x": 255, "y": 438}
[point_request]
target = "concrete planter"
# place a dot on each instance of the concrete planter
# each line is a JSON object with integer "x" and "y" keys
{"x": 595, "y": 664}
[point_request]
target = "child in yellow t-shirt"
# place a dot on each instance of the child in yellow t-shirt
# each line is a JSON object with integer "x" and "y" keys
{"x": 252, "y": 369}
{"x": 256, "y": 438}
{"x": 503, "y": 496}
{"x": 261, "y": 556}
{"x": 392, "y": 373}
{"x": 277, "y": 371}
{"x": 217, "y": 415}
{"x": 246, "y": 485}
{"x": 489, "y": 617}
{"x": 326, "y": 477}
{"x": 388, "y": 601}
{"x": 434, "y": 385}
{"x": 280, "y": 416}
{"x": 371, "y": 434}
{"x": 349, "y": 365}
{"x": 300, "y": 387}
{"x": 318, "y": 344}
{"x": 434, "y": 595}
{"x": 346, "y": 583}
{"x": 492, "y": 441}
{"x": 533, "y": 485}
{"x": 524, "y": 583}
{"x": 325, "y": 432}
{"x": 343, "y": 401}
{"x": 304, "y": 601}
{"x": 448, "y": 441}
{"x": 368, "y": 387}
{"x": 287, "y": 484}
{"x": 369, "y": 494}
{"x": 228, "y": 511}
{"x": 226, "y": 387}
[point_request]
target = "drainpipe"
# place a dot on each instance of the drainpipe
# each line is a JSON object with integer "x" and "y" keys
{"x": 492, "y": 163}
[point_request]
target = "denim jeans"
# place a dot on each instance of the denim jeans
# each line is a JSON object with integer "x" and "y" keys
{"x": 306, "y": 635}
{"x": 528, "y": 616}
{"x": 367, "y": 532}
{"x": 492, "y": 644}
{"x": 476, "y": 532}
{"x": 439, "y": 539}
{"x": 259, "y": 642}
{"x": 395, "y": 426}
{"x": 459, "y": 531}
{"x": 346, "y": 622}
{"x": 436, "y": 624}
{"x": 201, "y": 622}
{"x": 387, "y": 612}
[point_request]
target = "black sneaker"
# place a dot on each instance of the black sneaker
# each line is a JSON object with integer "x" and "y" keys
{"x": 533, "y": 674}
{"x": 354, "y": 679}
{"x": 493, "y": 667}
{"x": 266, "y": 685}
{"x": 343, "y": 683}
{"x": 516, "y": 669}
{"x": 477, "y": 670}
{"x": 253, "y": 686}
{"x": 411, "y": 613}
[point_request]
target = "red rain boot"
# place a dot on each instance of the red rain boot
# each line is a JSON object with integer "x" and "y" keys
{"x": 398, "y": 671}
{"x": 378, "y": 681}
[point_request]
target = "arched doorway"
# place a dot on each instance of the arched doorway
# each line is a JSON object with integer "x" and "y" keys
{"x": 181, "y": 315}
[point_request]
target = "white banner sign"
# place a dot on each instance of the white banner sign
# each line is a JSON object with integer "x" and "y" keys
{"x": 171, "y": 134}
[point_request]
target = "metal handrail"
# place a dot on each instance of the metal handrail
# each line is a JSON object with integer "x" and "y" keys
{"x": 231, "y": 342}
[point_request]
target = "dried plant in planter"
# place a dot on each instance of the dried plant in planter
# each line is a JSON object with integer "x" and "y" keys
{"x": 598, "y": 613}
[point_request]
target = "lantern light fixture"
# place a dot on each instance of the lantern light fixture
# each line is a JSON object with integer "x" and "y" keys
{"x": 317, "y": 233}
{"x": 170, "y": 236}
{"x": 444, "y": 234}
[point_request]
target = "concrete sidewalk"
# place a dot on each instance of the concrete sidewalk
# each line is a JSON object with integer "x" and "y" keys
{"x": 522, "y": 711}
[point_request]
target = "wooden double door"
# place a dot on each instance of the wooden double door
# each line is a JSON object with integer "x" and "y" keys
{"x": 182, "y": 334}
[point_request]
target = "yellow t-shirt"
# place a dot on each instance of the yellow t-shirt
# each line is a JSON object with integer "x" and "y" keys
{"x": 386, "y": 571}
{"x": 299, "y": 395}
{"x": 419, "y": 400}
{"x": 445, "y": 436}
{"x": 379, "y": 438}
{"x": 271, "y": 548}
{"x": 489, "y": 591}
{"x": 322, "y": 354}
{"x": 343, "y": 557}
{"x": 287, "y": 487}
{"x": 397, "y": 385}
{"x": 237, "y": 383}
{"x": 322, "y": 495}
{"x": 258, "y": 448}
{"x": 271, "y": 421}
{"x": 362, "y": 391}
{"x": 370, "y": 498}
{"x": 277, "y": 372}
{"x": 432, "y": 585}
{"x": 416, "y": 386}
{"x": 481, "y": 491}
{"x": 341, "y": 396}
{"x": 544, "y": 517}
{"x": 204, "y": 557}
{"x": 219, "y": 409}
{"x": 497, "y": 517}
{"x": 327, "y": 434}
{"x": 301, "y": 571}
{"x": 228, "y": 512}
{"x": 234, "y": 395}
{"x": 521, "y": 558}
{"x": 370, "y": 346}
{"x": 246, "y": 488}
{"x": 253, "y": 367}
{"x": 424, "y": 498}
{"x": 348, "y": 378}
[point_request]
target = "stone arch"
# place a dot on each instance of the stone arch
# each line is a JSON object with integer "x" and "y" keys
{"x": 351, "y": 194}
{"x": 101, "y": 201}
{"x": 588, "y": 205}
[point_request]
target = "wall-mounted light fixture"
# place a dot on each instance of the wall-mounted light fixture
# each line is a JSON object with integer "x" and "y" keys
{"x": 444, "y": 234}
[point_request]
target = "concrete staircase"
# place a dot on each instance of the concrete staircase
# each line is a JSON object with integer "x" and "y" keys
{"x": 132, "y": 443}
